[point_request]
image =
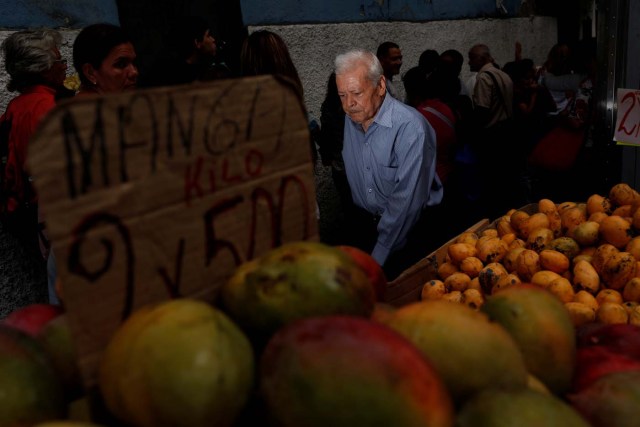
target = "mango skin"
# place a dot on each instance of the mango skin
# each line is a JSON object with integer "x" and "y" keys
{"x": 56, "y": 338}
{"x": 30, "y": 390}
{"x": 543, "y": 330}
{"x": 294, "y": 281}
{"x": 522, "y": 408}
{"x": 177, "y": 363}
{"x": 612, "y": 400}
{"x": 346, "y": 371}
{"x": 468, "y": 351}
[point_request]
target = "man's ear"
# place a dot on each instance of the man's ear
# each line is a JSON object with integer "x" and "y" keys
{"x": 382, "y": 85}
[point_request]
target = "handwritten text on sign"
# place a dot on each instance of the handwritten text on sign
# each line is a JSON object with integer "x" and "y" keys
{"x": 161, "y": 193}
{"x": 628, "y": 117}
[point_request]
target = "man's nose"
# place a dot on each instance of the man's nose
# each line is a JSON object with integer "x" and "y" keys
{"x": 351, "y": 101}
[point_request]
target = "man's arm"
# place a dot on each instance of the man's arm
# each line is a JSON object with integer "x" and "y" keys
{"x": 415, "y": 152}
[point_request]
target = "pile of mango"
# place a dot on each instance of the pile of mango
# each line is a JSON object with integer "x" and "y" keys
{"x": 299, "y": 337}
{"x": 586, "y": 254}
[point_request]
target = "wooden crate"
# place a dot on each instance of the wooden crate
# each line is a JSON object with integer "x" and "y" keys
{"x": 407, "y": 287}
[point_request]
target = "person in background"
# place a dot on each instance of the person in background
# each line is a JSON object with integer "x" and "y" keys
{"x": 532, "y": 102}
{"x": 104, "y": 58}
{"x": 451, "y": 61}
{"x": 330, "y": 144}
{"x": 192, "y": 57}
{"x": 390, "y": 158}
{"x": 428, "y": 61}
{"x": 265, "y": 52}
{"x": 494, "y": 141}
{"x": 565, "y": 152}
{"x": 559, "y": 76}
{"x": 37, "y": 72}
{"x": 390, "y": 57}
{"x": 434, "y": 95}
{"x": 414, "y": 81}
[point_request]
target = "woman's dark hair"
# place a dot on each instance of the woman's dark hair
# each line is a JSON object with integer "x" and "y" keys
{"x": 93, "y": 44}
{"x": 428, "y": 61}
{"x": 452, "y": 61}
{"x": 415, "y": 83}
{"x": 442, "y": 85}
{"x": 265, "y": 52}
{"x": 520, "y": 69}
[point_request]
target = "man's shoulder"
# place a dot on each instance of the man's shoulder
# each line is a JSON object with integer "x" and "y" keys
{"x": 493, "y": 71}
{"x": 401, "y": 112}
{"x": 407, "y": 119}
{"x": 33, "y": 103}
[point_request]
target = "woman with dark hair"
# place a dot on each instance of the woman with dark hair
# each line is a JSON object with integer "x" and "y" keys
{"x": 104, "y": 57}
{"x": 37, "y": 71}
{"x": 264, "y": 52}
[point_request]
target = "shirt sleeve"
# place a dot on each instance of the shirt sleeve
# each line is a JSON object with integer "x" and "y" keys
{"x": 415, "y": 151}
{"x": 482, "y": 91}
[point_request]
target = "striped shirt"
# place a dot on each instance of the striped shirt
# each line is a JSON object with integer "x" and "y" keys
{"x": 392, "y": 171}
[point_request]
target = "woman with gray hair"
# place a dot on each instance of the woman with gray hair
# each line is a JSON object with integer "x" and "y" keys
{"x": 37, "y": 71}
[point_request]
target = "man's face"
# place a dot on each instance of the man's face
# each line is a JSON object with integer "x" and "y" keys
{"x": 361, "y": 98}
{"x": 475, "y": 60}
{"x": 207, "y": 46}
{"x": 392, "y": 62}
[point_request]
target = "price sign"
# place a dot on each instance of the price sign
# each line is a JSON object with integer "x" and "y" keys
{"x": 162, "y": 193}
{"x": 627, "y": 129}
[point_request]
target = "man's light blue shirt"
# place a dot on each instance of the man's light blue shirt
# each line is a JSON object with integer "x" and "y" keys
{"x": 392, "y": 171}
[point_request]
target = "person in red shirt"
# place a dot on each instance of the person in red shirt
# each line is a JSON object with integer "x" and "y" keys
{"x": 37, "y": 71}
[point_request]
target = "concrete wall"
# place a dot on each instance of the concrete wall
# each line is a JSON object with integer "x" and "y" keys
{"x": 313, "y": 47}
{"x": 265, "y": 12}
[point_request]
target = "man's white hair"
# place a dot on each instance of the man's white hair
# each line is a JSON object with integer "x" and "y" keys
{"x": 347, "y": 61}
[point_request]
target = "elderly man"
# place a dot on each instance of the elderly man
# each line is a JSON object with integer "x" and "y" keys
{"x": 389, "y": 154}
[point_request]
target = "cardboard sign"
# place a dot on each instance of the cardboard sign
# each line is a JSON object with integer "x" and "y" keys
{"x": 628, "y": 117}
{"x": 161, "y": 193}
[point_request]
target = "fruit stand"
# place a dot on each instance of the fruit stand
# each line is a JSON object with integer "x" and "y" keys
{"x": 195, "y": 292}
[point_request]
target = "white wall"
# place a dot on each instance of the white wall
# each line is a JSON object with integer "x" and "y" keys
{"x": 314, "y": 47}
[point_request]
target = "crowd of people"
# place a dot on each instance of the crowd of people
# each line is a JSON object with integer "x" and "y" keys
{"x": 503, "y": 139}
{"x": 410, "y": 170}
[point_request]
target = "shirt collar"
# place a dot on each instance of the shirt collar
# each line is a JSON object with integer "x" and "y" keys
{"x": 383, "y": 118}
